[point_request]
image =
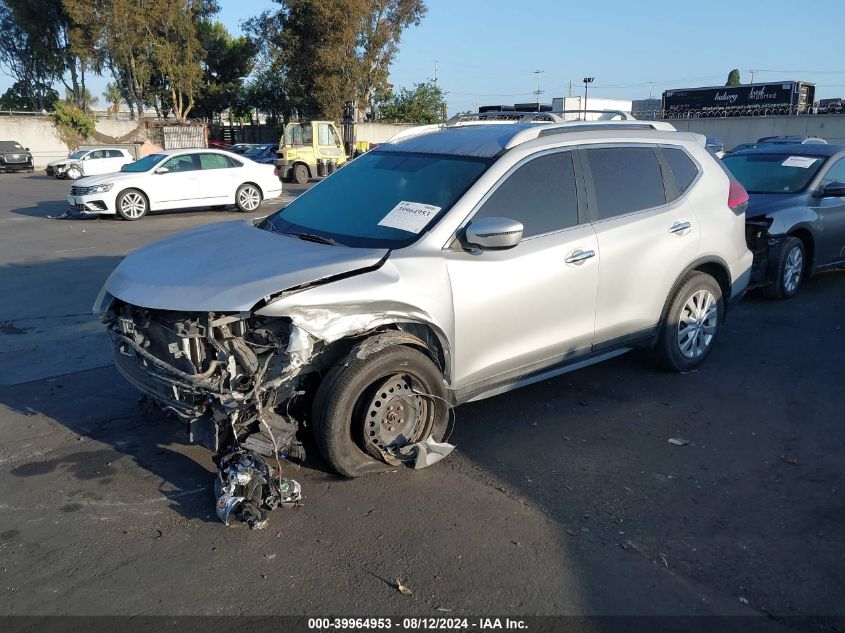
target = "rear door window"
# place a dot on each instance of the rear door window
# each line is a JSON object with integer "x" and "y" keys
{"x": 214, "y": 161}
{"x": 541, "y": 194}
{"x": 625, "y": 180}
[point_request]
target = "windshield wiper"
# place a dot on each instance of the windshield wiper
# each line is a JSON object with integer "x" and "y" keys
{"x": 311, "y": 237}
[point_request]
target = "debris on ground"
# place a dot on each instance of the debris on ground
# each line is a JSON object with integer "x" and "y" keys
{"x": 791, "y": 460}
{"x": 743, "y": 600}
{"x": 247, "y": 489}
{"x": 403, "y": 589}
{"x": 677, "y": 441}
{"x": 421, "y": 454}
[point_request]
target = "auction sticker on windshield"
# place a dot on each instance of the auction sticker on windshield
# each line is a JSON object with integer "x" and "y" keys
{"x": 799, "y": 161}
{"x": 409, "y": 216}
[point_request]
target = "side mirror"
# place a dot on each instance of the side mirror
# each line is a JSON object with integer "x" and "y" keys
{"x": 493, "y": 233}
{"x": 833, "y": 190}
{"x": 26, "y": 149}
{"x": 162, "y": 170}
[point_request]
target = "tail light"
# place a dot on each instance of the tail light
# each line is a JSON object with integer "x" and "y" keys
{"x": 276, "y": 172}
{"x": 737, "y": 197}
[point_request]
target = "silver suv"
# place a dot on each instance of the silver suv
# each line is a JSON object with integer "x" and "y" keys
{"x": 445, "y": 267}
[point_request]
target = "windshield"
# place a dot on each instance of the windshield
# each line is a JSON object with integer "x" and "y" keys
{"x": 773, "y": 173}
{"x": 359, "y": 205}
{"x": 10, "y": 146}
{"x": 298, "y": 134}
{"x": 79, "y": 153}
{"x": 256, "y": 151}
{"x": 144, "y": 164}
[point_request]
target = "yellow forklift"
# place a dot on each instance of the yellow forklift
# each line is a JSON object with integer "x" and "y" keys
{"x": 315, "y": 149}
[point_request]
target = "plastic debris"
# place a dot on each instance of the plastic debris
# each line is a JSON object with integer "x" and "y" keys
{"x": 422, "y": 454}
{"x": 678, "y": 441}
{"x": 247, "y": 490}
{"x": 403, "y": 589}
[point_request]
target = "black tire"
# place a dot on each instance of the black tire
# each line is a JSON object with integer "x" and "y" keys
{"x": 248, "y": 197}
{"x": 339, "y": 423}
{"x": 787, "y": 279}
{"x": 301, "y": 174}
{"x": 132, "y": 205}
{"x": 669, "y": 351}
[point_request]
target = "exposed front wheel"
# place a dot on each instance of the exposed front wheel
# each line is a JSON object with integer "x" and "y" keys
{"x": 367, "y": 409}
{"x": 692, "y": 323}
{"x": 300, "y": 174}
{"x": 789, "y": 270}
{"x": 248, "y": 198}
{"x": 132, "y": 205}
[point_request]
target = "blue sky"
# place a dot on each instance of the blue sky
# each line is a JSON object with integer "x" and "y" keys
{"x": 487, "y": 51}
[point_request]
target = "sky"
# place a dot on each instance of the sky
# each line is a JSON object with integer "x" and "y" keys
{"x": 486, "y": 51}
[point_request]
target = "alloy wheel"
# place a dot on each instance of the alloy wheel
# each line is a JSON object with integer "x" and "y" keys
{"x": 792, "y": 269}
{"x": 133, "y": 205}
{"x": 697, "y": 324}
{"x": 249, "y": 198}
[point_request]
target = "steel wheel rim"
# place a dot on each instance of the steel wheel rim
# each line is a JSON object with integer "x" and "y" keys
{"x": 792, "y": 269}
{"x": 249, "y": 198}
{"x": 697, "y": 324}
{"x": 394, "y": 416}
{"x": 133, "y": 205}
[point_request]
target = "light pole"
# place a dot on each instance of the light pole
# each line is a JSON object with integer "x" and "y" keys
{"x": 538, "y": 92}
{"x": 587, "y": 82}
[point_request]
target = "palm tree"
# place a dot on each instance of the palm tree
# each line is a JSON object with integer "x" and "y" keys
{"x": 112, "y": 95}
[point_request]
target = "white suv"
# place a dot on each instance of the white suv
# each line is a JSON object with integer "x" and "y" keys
{"x": 442, "y": 268}
{"x": 90, "y": 162}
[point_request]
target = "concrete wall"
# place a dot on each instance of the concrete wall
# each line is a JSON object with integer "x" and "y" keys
{"x": 38, "y": 133}
{"x": 830, "y": 127}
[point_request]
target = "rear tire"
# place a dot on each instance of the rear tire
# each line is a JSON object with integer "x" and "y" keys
{"x": 343, "y": 428}
{"x": 300, "y": 174}
{"x": 692, "y": 323}
{"x": 248, "y": 198}
{"x": 132, "y": 205}
{"x": 789, "y": 271}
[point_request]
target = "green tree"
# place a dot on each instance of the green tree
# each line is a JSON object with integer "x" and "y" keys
{"x": 422, "y": 105}
{"x": 733, "y": 78}
{"x": 333, "y": 51}
{"x": 26, "y": 55}
{"x": 113, "y": 95}
{"x": 228, "y": 61}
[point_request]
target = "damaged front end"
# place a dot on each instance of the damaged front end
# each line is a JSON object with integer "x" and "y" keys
{"x": 238, "y": 380}
{"x": 762, "y": 245}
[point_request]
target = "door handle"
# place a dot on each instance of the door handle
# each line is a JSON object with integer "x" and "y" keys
{"x": 679, "y": 227}
{"x": 580, "y": 256}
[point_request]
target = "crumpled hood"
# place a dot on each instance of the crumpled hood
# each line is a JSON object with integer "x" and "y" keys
{"x": 766, "y": 203}
{"x": 228, "y": 267}
{"x": 61, "y": 161}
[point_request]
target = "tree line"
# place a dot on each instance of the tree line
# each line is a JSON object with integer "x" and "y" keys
{"x": 303, "y": 58}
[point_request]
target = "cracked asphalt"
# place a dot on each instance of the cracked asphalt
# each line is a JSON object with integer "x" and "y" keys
{"x": 564, "y": 497}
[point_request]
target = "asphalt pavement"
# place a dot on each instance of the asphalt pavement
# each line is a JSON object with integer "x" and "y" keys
{"x": 565, "y": 497}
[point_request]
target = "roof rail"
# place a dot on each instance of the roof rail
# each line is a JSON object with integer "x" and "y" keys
{"x": 557, "y": 116}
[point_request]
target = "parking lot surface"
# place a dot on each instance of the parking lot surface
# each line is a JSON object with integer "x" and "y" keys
{"x": 564, "y": 497}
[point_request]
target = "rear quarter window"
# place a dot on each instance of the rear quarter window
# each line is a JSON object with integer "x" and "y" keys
{"x": 625, "y": 180}
{"x": 683, "y": 168}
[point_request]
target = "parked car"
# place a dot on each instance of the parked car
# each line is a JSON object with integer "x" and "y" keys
{"x": 90, "y": 162}
{"x": 791, "y": 140}
{"x": 796, "y": 214}
{"x": 264, "y": 154}
{"x": 15, "y": 157}
{"x": 176, "y": 179}
{"x": 445, "y": 268}
{"x": 717, "y": 146}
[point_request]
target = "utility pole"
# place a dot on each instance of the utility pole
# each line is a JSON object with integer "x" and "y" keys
{"x": 587, "y": 82}
{"x": 753, "y": 72}
{"x": 570, "y": 87}
{"x": 435, "y": 71}
{"x": 650, "y": 89}
{"x": 538, "y": 92}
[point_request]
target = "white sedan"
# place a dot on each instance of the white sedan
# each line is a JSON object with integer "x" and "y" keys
{"x": 176, "y": 179}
